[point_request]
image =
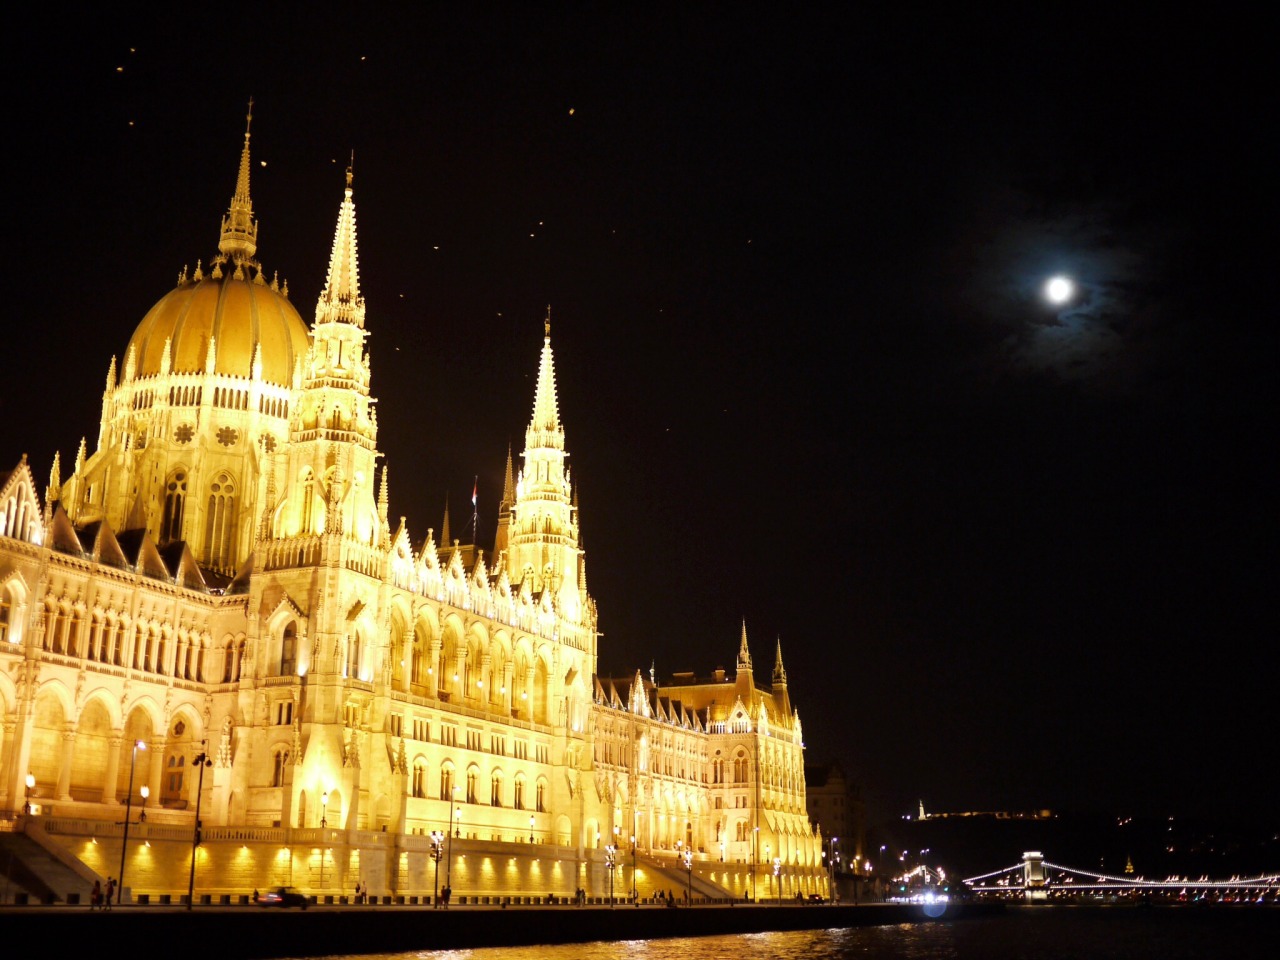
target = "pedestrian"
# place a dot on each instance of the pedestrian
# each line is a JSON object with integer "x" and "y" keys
{"x": 111, "y": 892}
{"x": 255, "y": 894}
{"x": 95, "y": 897}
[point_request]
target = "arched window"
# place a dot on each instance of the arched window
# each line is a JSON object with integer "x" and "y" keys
{"x": 471, "y": 786}
{"x": 220, "y": 524}
{"x": 495, "y": 790}
{"x": 279, "y": 763}
{"x": 6, "y": 611}
{"x": 518, "y": 798}
{"x": 542, "y": 797}
{"x": 446, "y": 783}
{"x": 353, "y": 656}
{"x": 175, "y": 498}
{"x": 175, "y": 768}
{"x": 420, "y": 778}
{"x": 289, "y": 650}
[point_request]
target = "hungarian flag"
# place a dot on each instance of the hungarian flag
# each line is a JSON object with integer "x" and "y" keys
{"x": 474, "y": 487}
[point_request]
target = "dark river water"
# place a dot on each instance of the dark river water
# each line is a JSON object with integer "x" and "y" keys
{"x": 1023, "y": 933}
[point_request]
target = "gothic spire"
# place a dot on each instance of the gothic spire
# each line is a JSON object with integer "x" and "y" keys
{"x": 341, "y": 301}
{"x": 239, "y": 239}
{"x": 744, "y": 652}
{"x": 509, "y": 483}
{"x": 779, "y": 671}
{"x": 546, "y": 412}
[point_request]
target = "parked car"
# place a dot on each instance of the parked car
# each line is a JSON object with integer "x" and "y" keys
{"x": 817, "y": 898}
{"x": 284, "y": 897}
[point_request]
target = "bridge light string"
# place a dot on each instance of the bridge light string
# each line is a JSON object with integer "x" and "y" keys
{"x": 1104, "y": 881}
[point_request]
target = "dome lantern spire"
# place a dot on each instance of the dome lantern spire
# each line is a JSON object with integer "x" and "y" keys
{"x": 239, "y": 240}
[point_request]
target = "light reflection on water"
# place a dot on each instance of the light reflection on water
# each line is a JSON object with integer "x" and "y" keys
{"x": 1021, "y": 934}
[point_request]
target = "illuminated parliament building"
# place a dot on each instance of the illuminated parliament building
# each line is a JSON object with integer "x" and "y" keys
{"x": 212, "y": 615}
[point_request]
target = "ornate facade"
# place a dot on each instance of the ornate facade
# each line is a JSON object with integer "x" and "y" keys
{"x": 221, "y": 578}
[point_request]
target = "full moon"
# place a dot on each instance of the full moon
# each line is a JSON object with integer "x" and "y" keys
{"x": 1059, "y": 290}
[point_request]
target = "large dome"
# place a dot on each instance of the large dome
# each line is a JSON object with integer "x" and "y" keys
{"x": 238, "y": 314}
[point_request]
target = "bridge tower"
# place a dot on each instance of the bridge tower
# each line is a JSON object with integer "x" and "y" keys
{"x": 1033, "y": 879}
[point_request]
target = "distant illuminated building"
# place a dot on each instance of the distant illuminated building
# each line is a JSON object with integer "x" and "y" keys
{"x": 222, "y": 573}
{"x": 836, "y": 808}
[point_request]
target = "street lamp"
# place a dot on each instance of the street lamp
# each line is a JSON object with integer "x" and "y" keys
{"x": 610, "y": 863}
{"x": 437, "y": 851}
{"x": 128, "y": 812}
{"x": 688, "y": 870}
{"x": 531, "y": 828}
{"x": 777, "y": 877}
{"x": 766, "y": 854}
{"x": 31, "y": 782}
{"x": 635, "y": 894}
{"x": 448, "y": 867}
{"x": 755, "y": 856}
{"x": 145, "y": 791}
{"x": 201, "y": 761}
{"x": 324, "y": 822}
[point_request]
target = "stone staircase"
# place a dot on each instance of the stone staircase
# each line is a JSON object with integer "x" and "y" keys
{"x": 31, "y": 874}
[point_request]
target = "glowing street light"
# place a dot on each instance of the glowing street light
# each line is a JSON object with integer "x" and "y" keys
{"x": 688, "y": 871}
{"x": 31, "y": 783}
{"x": 437, "y": 851}
{"x": 145, "y": 792}
{"x": 777, "y": 877}
{"x": 128, "y": 812}
{"x": 531, "y": 828}
{"x": 610, "y": 864}
{"x": 635, "y": 898}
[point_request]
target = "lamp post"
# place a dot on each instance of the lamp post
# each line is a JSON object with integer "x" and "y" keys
{"x": 755, "y": 856}
{"x": 144, "y": 791}
{"x": 437, "y": 851}
{"x": 766, "y": 859}
{"x": 635, "y": 893}
{"x": 324, "y": 823}
{"x": 531, "y": 828}
{"x": 128, "y": 812}
{"x": 777, "y": 877}
{"x": 688, "y": 872}
{"x": 31, "y": 782}
{"x": 832, "y": 863}
{"x": 448, "y": 867}
{"x": 200, "y": 761}
{"x": 610, "y": 864}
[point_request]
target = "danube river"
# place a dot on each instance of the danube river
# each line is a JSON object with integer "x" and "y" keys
{"x": 1021, "y": 933}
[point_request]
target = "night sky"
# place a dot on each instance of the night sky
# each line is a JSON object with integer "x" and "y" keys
{"x": 1019, "y": 556}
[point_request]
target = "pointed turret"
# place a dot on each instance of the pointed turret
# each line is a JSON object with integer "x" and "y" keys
{"x": 546, "y": 411}
{"x": 445, "y": 539}
{"x": 501, "y": 537}
{"x": 542, "y": 538}
{"x": 55, "y": 480}
{"x": 340, "y": 301}
{"x": 744, "y": 682}
{"x": 744, "y": 652}
{"x": 780, "y": 696}
{"x": 239, "y": 240}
